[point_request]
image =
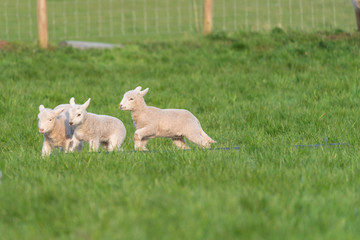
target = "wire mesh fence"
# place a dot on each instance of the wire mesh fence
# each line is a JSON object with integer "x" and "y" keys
{"x": 114, "y": 19}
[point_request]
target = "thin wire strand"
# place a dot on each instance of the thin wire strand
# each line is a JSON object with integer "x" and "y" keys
{"x": 99, "y": 18}
{"x": 312, "y": 15}
{"x": 257, "y": 16}
{"x": 18, "y": 20}
{"x": 111, "y": 19}
{"x": 235, "y": 15}
{"x": 190, "y": 18}
{"x": 301, "y": 15}
{"x": 196, "y": 16}
{"x": 179, "y": 16}
{"x": 246, "y": 15}
{"x": 76, "y": 18}
{"x": 224, "y": 14}
{"x": 268, "y": 13}
{"x": 167, "y": 17}
{"x": 156, "y": 16}
{"x": 53, "y": 21}
{"x": 145, "y": 17}
{"x": 280, "y": 14}
{"x": 88, "y": 20}
{"x": 6, "y": 20}
{"x": 122, "y": 18}
{"x": 290, "y": 13}
{"x": 134, "y": 18}
{"x": 334, "y": 12}
{"x": 30, "y": 20}
{"x": 65, "y": 18}
{"x": 323, "y": 4}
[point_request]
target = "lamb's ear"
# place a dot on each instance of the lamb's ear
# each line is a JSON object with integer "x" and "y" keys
{"x": 58, "y": 111}
{"x": 138, "y": 89}
{"x": 142, "y": 93}
{"x": 41, "y": 107}
{"x": 72, "y": 101}
{"x": 86, "y": 104}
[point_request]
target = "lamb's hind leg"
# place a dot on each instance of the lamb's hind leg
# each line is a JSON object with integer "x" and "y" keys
{"x": 113, "y": 143}
{"x": 180, "y": 143}
{"x": 94, "y": 145}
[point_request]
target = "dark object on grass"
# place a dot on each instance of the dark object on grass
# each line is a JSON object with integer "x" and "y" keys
{"x": 322, "y": 145}
{"x": 191, "y": 149}
{"x": 164, "y": 151}
{"x": 89, "y": 45}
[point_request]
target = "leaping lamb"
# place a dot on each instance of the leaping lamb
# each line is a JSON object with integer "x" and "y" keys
{"x": 151, "y": 122}
{"x": 96, "y": 129}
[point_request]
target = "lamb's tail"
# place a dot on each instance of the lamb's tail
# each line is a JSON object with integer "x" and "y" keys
{"x": 206, "y": 137}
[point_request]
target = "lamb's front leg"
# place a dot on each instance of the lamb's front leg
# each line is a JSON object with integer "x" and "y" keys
{"x": 141, "y": 136}
{"x": 143, "y": 144}
{"x": 46, "y": 149}
{"x": 75, "y": 144}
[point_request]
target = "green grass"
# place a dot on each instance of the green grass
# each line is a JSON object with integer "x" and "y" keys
{"x": 265, "y": 93}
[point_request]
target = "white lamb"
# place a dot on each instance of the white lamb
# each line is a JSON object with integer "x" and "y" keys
{"x": 75, "y": 144}
{"x": 96, "y": 129}
{"x": 151, "y": 122}
{"x": 55, "y": 128}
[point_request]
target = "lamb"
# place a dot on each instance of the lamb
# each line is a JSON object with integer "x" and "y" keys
{"x": 96, "y": 129}
{"x": 75, "y": 143}
{"x": 55, "y": 128}
{"x": 151, "y": 122}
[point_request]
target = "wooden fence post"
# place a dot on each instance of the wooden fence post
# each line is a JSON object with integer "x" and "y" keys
{"x": 356, "y": 5}
{"x": 357, "y": 15}
{"x": 42, "y": 24}
{"x": 207, "y": 25}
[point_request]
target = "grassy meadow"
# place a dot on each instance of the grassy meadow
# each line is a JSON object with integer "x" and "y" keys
{"x": 264, "y": 93}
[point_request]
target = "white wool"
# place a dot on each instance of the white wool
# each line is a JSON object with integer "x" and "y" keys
{"x": 55, "y": 127}
{"x": 96, "y": 129}
{"x": 75, "y": 144}
{"x": 151, "y": 122}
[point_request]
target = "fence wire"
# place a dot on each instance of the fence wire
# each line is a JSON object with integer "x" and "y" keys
{"x": 89, "y": 19}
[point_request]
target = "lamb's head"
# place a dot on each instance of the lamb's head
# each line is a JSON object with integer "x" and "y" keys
{"x": 47, "y": 118}
{"x": 133, "y": 98}
{"x": 77, "y": 113}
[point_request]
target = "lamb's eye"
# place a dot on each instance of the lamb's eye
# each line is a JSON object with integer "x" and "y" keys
{"x": 50, "y": 120}
{"x": 131, "y": 99}
{"x": 79, "y": 115}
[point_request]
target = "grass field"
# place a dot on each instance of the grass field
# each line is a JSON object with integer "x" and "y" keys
{"x": 265, "y": 93}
